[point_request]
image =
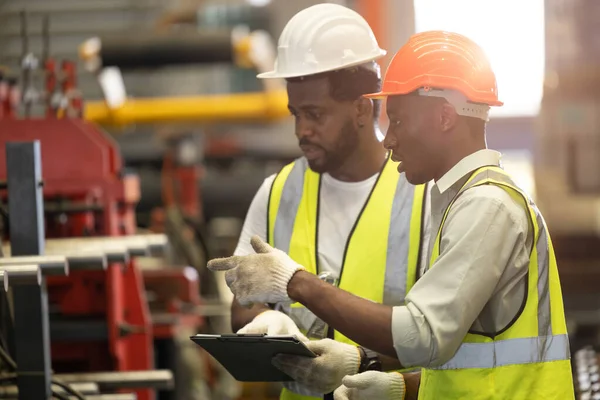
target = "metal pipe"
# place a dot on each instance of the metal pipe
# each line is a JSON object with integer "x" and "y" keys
{"x": 157, "y": 243}
{"x": 137, "y": 245}
{"x": 24, "y": 275}
{"x": 112, "y": 396}
{"x": 114, "y": 252}
{"x": 25, "y": 68}
{"x": 128, "y": 239}
{"x": 45, "y": 38}
{"x": 151, "y": 49}
{"x": 94, "y": 250}
{"x": 85, "y": 388}
{"x": 81, "y": 387}
{"x": 243, "y": 107}
{"x": 157, "y": 379}
{"x": 50, "y": 265}
{"x": 90, "y": 261}
{"x": 4, "y": 279}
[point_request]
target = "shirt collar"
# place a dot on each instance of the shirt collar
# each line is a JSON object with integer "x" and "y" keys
{"x": 467, "y": 165}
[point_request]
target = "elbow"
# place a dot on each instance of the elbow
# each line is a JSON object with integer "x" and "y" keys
{"x": 418, "y": 343}
{"x": 439, "y": 360}
{"x": 442, "y": 349}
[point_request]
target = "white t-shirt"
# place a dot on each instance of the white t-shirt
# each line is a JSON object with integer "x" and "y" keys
{"x": 340, "y": 204}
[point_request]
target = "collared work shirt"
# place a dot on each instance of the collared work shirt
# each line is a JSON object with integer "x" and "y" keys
{"x": 479, "y": 280}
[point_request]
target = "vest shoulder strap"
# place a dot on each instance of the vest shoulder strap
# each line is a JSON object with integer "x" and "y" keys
{"x": 277, "y": 197}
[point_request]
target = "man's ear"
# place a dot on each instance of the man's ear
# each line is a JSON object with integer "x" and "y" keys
{"x": 448, "y": 117}
{"x": 364, "y": 111}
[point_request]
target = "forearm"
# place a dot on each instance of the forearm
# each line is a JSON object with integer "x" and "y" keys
{"x": 354, "y": 317}
{"x": 241, "y": 316}
{"x": 389, "y": 363}
{"x": 412, "y": 381}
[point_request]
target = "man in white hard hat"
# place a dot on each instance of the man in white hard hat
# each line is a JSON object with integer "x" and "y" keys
{"x": 326, "y": 208}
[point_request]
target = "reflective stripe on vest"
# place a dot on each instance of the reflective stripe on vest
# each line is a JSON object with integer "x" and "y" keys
{"x": 509, "y": 352}
{"x": 517, "y": 345}
{"x": 288, "y": 205}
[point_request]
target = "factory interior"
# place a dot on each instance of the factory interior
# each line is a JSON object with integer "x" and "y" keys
{"x": 134, "y": 135}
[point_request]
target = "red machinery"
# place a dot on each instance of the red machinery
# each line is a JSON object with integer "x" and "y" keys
{"x": 88, "y": 195}
{"x": 104, "y": 314}
{"x": 100, "y": 320}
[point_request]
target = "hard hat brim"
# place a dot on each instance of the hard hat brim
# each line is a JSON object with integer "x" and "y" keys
{"x": 284, "y": 75}
{"x": 380, "y": 95}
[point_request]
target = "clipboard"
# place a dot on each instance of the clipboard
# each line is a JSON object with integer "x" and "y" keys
{"x": 248, "y": 357}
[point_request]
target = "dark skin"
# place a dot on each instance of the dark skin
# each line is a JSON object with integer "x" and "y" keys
{"x": 412, "y": 381}
{"x": 429, "y": 138}
{"x": 336, "y": 137}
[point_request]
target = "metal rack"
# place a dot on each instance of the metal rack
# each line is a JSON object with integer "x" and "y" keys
{"x": 25, "y": 272}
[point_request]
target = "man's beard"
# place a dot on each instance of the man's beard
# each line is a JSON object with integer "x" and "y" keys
{"x": 342, "y": 149}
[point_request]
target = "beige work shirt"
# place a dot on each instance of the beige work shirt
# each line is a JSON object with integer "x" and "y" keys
{"x": 479, "y": 280}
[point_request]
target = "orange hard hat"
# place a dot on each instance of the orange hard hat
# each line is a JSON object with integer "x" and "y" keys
{"x": 440, "y": 60}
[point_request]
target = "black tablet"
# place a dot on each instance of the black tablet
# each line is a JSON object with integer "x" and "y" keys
{"x": 248, "y": 357}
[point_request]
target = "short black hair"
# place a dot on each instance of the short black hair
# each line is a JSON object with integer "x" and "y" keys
{"x": 350, "y": 84}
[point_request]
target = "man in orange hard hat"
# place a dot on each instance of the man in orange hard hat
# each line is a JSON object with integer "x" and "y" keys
{"x": 486, "y": 321}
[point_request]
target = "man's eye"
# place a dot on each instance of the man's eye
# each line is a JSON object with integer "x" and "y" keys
{"x": 314, "y": 115}
{"x": 395, "y": 122}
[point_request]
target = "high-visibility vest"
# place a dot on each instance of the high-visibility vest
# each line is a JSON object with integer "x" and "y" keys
{"x": 381, "y": 258}
{"x": 527, "y": 360}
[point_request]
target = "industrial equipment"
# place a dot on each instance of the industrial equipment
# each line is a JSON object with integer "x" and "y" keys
{"x": 108, "y": 56}
{"x": 587, "y": 374}
{"x": 104, "y": 312}
{"x": 97, "y": 313}
{"x": 566, "y": 162}
{"x": 30, "y": 275}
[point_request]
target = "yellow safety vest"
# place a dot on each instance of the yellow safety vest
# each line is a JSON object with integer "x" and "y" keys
{"x": 529, "y": 359}
{"x": 382, "y": 253}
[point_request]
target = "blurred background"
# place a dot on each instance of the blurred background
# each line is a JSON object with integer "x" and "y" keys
{"x": 171, "y": 86}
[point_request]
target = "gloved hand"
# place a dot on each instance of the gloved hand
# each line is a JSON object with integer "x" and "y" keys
{"x": 323, "y": 373}
{"x": 273, "y": 322}
{"x": 258, "y": 278}
{"x": 371, "y": 385}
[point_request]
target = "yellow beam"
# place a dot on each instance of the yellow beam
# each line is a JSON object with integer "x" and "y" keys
{"x": 241, "y": 107}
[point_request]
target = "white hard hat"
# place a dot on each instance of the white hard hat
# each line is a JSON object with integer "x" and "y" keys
{"x": 321, "y": 38}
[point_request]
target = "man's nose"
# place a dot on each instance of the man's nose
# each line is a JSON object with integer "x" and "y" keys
{"x": 303, "y": 129}
{"x": 388, "y": 141}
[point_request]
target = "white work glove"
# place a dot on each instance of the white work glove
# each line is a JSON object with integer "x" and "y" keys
{"x": 258, "y": 278}
{"x": 371, "y": 385}
{"x": 323, "y": 373}
{"x": 273, "y": 323}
